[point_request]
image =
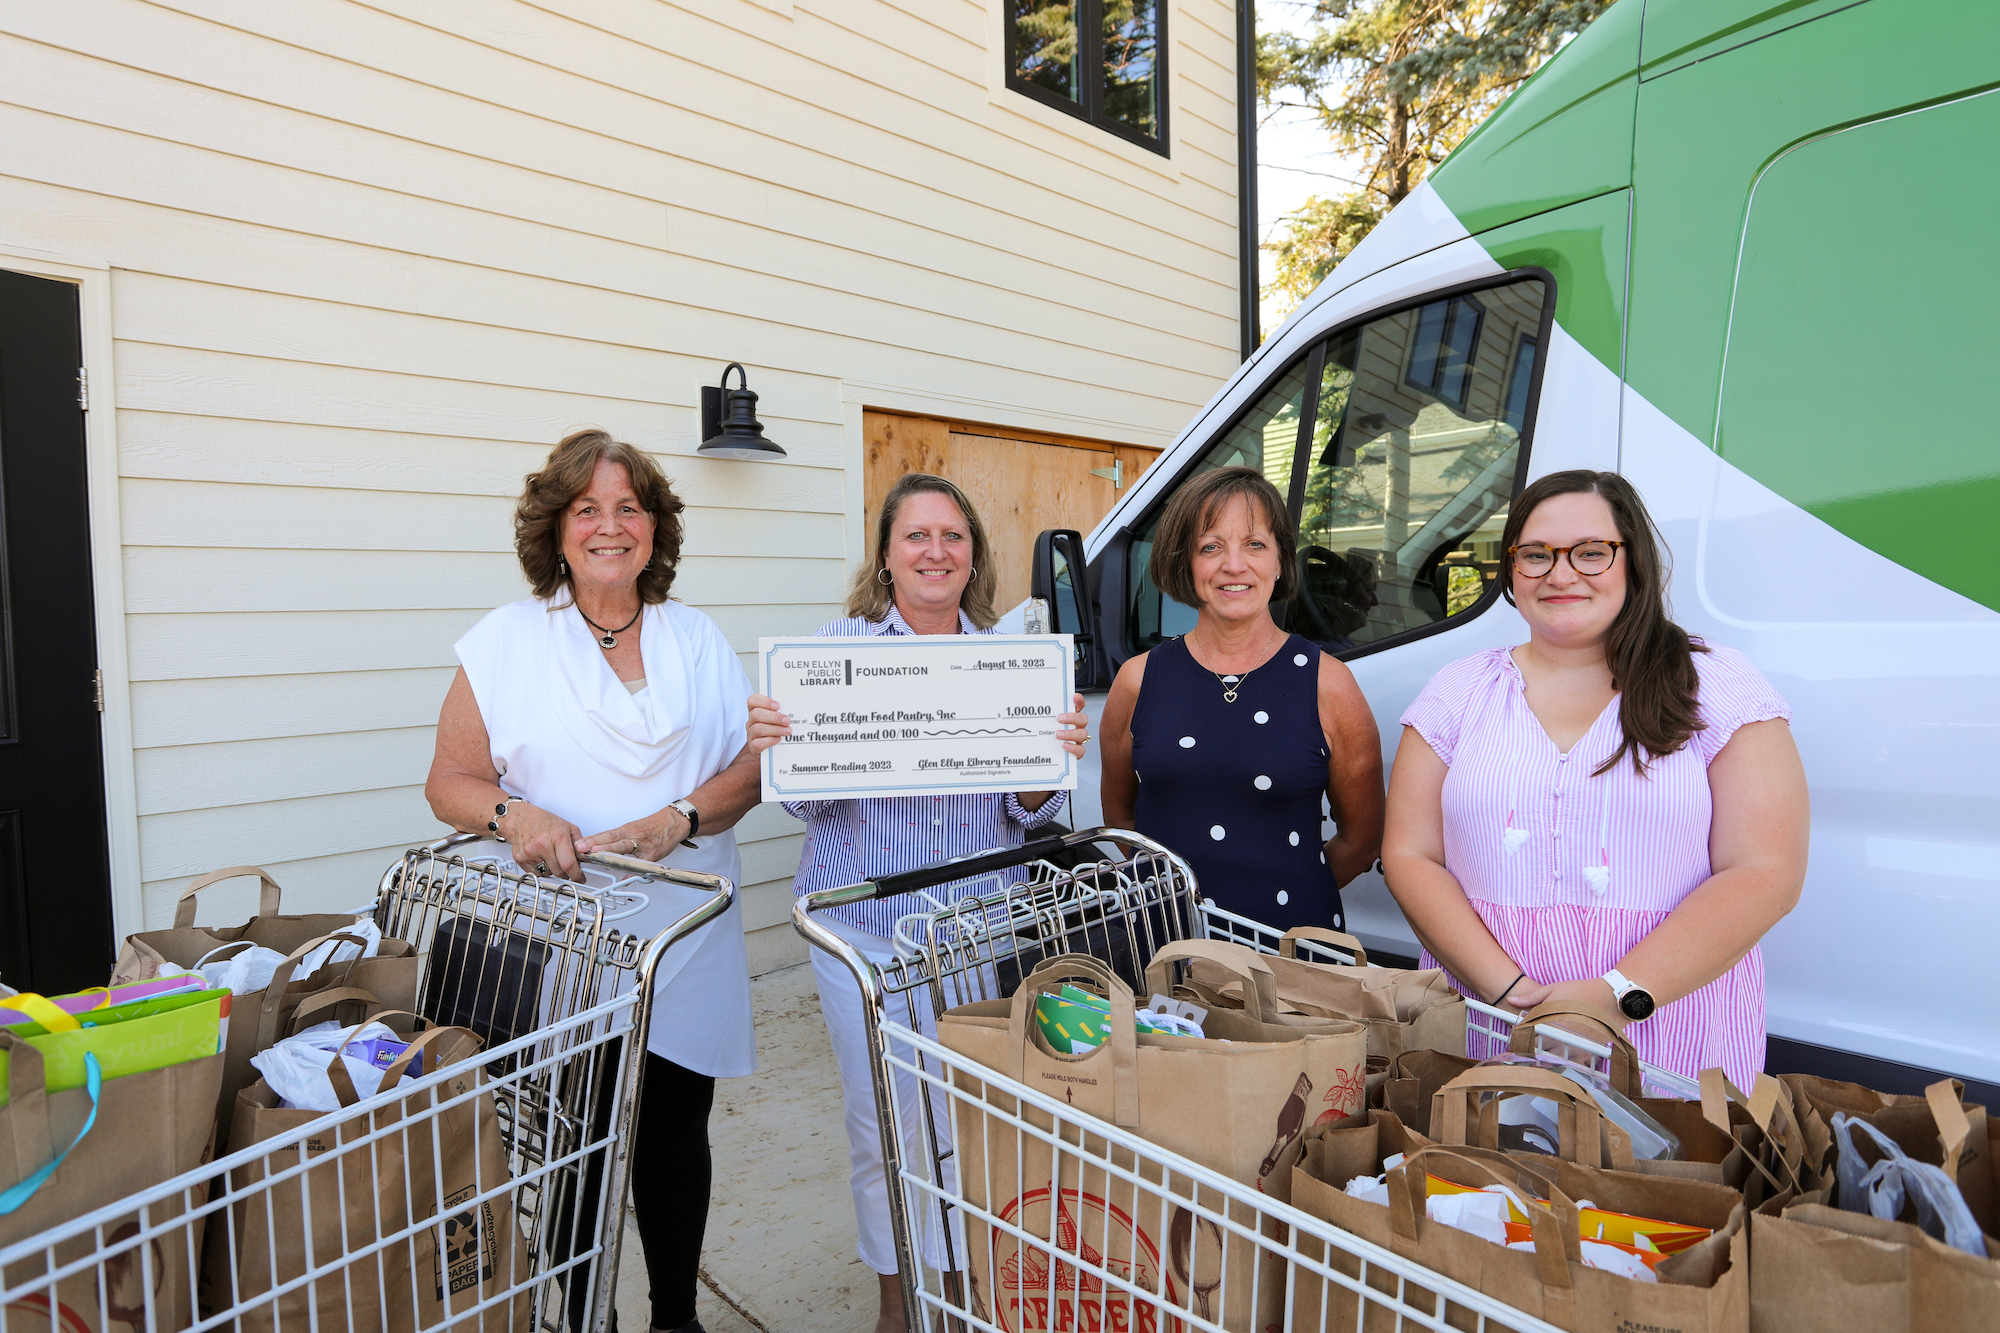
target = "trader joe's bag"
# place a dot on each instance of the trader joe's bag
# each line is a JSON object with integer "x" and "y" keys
{"x": 145, "y": 1128}
{"x": 1403, "y": 1009}
{"x": 435, "y": 1166}
{"x": 1237, "y": 1101}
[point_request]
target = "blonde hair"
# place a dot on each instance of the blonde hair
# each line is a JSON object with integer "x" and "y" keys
{"x": 870, "y": 598}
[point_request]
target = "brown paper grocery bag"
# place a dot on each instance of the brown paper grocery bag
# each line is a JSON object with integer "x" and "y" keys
{"x": 1238, "y": 1102}
{"x": 1414, "y": 1077}
{"x": 1402, "y": 1009}
{"x": 1702, "y": 1290}
{"x": 149, "y": 1128}
{"x": 374, "y": 1191}
{"x": 1823, "y": 1270}
{"x": 140, "y": 957}
{"x": 1940, "y": 1128}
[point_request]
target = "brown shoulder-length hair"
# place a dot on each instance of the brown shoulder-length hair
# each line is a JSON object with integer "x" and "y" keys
{"x": 869, "y": 597}
{"x": 1651, "y": 658}
{"x": 547, "y": 496}
{"x": 1193, "y": 509}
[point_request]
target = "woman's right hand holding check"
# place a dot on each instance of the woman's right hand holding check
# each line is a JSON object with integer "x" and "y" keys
{"x": 768, "y": 724}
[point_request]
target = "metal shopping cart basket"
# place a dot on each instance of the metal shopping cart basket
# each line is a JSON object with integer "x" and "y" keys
{"x": 561, "y": 995}
{"x": 1120, "y": 896}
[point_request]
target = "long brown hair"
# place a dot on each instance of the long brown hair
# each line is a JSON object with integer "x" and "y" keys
{"x": 869, "y": 597}
{"x": 546, "y": 497}
{"x": 1651, "y": 658}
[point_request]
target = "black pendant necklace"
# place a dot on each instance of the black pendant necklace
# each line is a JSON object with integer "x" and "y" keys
{"x": 609, "y": 637}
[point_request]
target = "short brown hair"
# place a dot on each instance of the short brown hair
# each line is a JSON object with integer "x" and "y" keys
{"x": 547, "y": 497}
{"x": 1191, "y": 511}
{"x": 870, "y": 598}
{"x": 1651, "y": 658}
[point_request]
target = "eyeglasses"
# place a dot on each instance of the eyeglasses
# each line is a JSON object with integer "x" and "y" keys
{"x": 1588, "y": 558}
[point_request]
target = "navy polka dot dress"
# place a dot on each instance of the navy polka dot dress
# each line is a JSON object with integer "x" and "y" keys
{"x": 1236, "y": 788}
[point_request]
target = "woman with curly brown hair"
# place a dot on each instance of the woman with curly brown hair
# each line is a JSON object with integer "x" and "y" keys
{"x": 600, "y": 704}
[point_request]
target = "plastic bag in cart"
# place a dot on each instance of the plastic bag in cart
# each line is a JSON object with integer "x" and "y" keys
{"x": 243, "y": 969}
{"x": 1533, "y": 1119}
{"x": 1881, "y": 1188}
{"x": 296, "y": 1067}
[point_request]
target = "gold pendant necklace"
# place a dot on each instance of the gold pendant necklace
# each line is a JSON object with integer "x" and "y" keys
{"x": 1234, "y": 682}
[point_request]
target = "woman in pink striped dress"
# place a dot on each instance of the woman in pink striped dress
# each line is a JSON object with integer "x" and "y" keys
{"x": 1610, "y": 812}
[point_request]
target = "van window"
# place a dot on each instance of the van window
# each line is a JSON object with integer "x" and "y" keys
{"x": 1409, "y": 480}
{"x": 1409, "y": 428}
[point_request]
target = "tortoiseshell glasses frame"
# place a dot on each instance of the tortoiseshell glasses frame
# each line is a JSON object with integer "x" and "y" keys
{"x": 1577, "y": 563}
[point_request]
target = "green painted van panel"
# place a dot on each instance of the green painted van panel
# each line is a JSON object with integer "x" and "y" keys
{"x": 1565, "y": 134}
{"x": 1707, "y": 129}
{"x": 1859, "y": 383}
{"x": 1584, "y": 246}
{"x": 1680, "y": 32}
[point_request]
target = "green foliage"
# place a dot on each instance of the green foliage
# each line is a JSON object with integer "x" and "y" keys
{"x": 1396, "y": 84}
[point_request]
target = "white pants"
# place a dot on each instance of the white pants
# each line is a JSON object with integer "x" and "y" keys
{"x": 840, "y": 1002}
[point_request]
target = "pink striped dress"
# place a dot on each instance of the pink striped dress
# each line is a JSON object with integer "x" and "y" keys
{"x": 1570, "y": 871}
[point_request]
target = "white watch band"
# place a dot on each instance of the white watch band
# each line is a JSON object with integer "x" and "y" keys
{"x": 1620, "y": 983}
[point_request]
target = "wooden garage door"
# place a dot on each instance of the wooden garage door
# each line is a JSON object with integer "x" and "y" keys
{"x": 1020, "y": 481}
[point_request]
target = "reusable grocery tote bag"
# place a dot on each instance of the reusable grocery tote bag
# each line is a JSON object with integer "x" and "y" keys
{"x": 372, "y": 1191}
{"x": 1238, "y": 1106}
{"x": 126, "y": 1135}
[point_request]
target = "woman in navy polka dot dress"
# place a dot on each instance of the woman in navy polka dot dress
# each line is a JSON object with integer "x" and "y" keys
{"x": 1222, "y": 743}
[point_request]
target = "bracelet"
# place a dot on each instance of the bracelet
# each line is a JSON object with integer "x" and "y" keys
{"x": 500, "y": 813}
{"x": 1510, "y": 989}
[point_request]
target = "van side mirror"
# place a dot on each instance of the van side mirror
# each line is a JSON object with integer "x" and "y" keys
{"x": 1058, "y": 580}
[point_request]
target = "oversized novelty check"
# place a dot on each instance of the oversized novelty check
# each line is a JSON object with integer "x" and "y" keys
{"x": 918, "y": 715}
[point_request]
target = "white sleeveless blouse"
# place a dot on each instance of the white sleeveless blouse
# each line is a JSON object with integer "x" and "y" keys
{"x": 568, "y": 735}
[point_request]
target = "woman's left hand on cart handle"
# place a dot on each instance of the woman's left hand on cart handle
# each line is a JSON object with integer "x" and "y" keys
{"x": 650, "y": 839}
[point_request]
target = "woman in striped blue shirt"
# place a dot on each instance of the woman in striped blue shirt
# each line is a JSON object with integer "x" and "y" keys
{"x": 932, "y": 573}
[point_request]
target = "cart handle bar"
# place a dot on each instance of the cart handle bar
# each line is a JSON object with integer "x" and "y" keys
{"x": 629, "y": 865}
{"x": 980, "y": 863}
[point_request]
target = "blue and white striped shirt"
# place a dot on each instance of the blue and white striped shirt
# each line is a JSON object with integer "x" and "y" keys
{"x": 850, "y": 841}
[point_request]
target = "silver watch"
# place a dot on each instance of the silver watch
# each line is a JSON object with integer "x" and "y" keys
{"x": 686, "y": 807}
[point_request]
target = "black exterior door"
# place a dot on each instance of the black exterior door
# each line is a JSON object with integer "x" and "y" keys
{"x": 55, "y": 883}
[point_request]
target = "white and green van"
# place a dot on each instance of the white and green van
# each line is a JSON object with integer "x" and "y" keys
{"x": 1745, "y": 254}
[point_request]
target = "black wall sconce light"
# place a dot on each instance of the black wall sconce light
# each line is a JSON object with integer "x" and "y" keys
{"x": 729, "y": 425}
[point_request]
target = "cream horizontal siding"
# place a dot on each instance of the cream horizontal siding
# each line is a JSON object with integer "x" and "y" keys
{"x": 371, "y": 259}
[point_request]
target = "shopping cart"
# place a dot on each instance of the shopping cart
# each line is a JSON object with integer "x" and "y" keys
{"x": 1119, "y": 896}
{"x": 562, "y": 997}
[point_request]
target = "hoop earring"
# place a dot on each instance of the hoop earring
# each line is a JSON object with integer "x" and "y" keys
{"x": 649, "y": 565}
{"x": 884, "y": 577}
{"x": 973, "y": 575}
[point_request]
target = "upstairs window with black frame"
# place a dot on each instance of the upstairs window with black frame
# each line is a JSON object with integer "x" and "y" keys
{"x": 1104, "y": 61}
{"x": 1446, "y": 345}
